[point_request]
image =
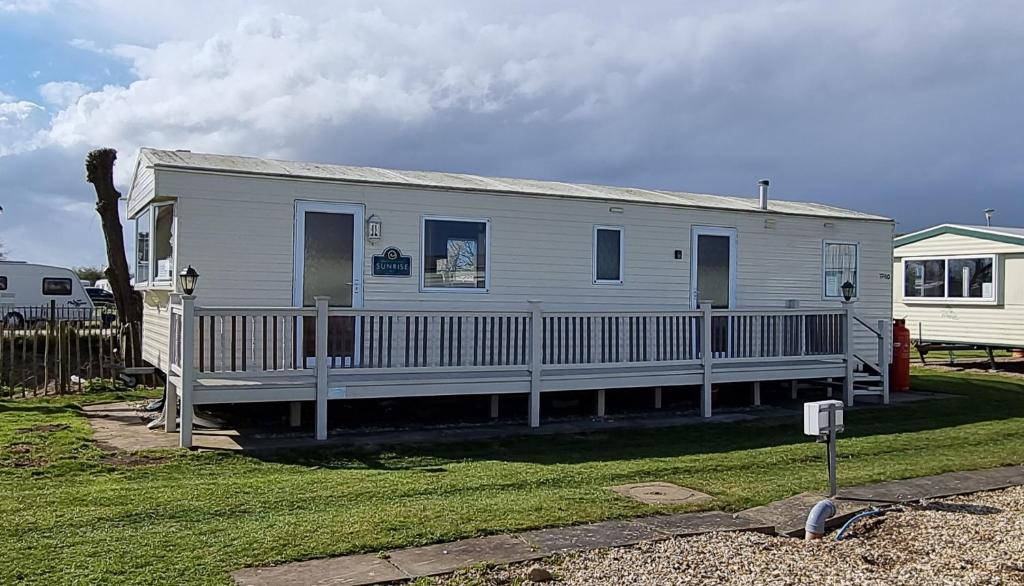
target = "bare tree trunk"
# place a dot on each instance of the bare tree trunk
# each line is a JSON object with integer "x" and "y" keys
{"x": 99, "y": 170}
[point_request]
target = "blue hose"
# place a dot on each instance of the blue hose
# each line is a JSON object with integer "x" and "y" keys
{"x": 855, "y": 518}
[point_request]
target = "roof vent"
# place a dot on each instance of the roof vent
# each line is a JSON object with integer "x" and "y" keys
{"x": 762, "y": 189}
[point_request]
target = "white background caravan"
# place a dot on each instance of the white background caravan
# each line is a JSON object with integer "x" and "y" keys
{"x": 27, "y": 289}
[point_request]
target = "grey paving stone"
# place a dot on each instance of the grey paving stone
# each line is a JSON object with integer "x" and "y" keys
{"x": 593, "y": 536}
{"x": 789, "y": 515}
{"x": 696, "y": 523}
{"x": 942, "y": 485}
{"x": 448, "y": 557}
{"x": 353, "y": 570}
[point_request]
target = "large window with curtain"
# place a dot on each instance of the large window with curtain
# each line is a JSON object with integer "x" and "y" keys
{"x": 840, "y": 266}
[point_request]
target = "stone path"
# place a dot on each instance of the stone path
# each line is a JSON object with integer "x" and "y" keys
{"x": 784, "y": 517}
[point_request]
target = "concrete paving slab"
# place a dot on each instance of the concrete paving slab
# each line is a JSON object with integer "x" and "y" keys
{"x": 448, "y": 557}
{"x": 705, "y": 522}
{"x": 593, "y": 536}
{"x": 939, "y": 486}
{"x": 353, "y": 570}
{"x": 789, "y": 515}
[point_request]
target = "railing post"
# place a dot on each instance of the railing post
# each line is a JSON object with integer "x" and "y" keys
{"x": 536, "y": 360}
{"x": 705, "y": 354}
{"x": 884, "y": 348}
{"x": 849, "y": 349}
{"x": 188, "y": 316}
{"x": 321, "y": 366}
{"x": 171, "y": 393}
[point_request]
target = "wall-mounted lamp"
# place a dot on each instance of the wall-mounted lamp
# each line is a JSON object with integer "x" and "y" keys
{"x": 374, "y": 228}
{"x": 616, "y": 210}
{"x": 188, "y": 279}
{"x": 848, "y": 289}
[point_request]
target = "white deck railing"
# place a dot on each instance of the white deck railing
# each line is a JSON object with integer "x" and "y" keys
{"x": 253, "y": 343}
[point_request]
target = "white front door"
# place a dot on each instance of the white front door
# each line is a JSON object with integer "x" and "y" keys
{"x": 328, "y": 260}
{"x": 713, "y": 267}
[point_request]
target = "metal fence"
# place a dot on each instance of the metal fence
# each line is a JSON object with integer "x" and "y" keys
{"x": 52, "y": 349}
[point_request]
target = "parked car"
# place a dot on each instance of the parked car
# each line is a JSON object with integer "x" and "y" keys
{"x": 100, "y": 297}
{"x": 26, "y": 291}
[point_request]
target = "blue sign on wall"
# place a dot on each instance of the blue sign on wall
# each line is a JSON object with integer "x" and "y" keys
{"x": 392, "y": 263}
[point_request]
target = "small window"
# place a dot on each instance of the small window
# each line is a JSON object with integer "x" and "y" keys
{"x": 840, "y": 266}
{"x": 163, "y": 242}
{"x": 142, "y": 223}
{"x": 970, "y": 277}
{"x": 3, "y": 283}
{"x": 55, "y": 286}
{"x": 608, "y": 248}
{"x": 455, "y": 254}
{"x": 924, "y": 278}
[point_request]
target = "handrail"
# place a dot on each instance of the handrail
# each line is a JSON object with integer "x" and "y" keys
{"x": 863, "y": 323}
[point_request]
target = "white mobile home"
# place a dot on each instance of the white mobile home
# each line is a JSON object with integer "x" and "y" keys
{"x": 27, "y": 290}
{"x": 961, "y": 284}
{"x": 323, "y": 282}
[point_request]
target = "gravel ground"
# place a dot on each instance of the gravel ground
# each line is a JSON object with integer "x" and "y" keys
{"x": 975, "y": 539}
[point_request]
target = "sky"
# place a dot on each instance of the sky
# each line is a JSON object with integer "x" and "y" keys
{"x": 911, "y": 108}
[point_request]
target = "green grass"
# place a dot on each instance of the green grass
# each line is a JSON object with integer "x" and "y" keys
{"x": 71, "y": 514}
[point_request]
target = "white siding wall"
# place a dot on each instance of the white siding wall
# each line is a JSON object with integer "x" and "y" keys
{"x": 155, "y": 324}
{"x": 237, "y": 231}
{"x": 142, "y": 190}
{"x": 1000, "y": 324}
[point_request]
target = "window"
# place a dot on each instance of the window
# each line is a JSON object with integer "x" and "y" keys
{"x": 970, "y": 277}
{"x": 950, "y": 278}
{"x": 455, "y": 254}
{"x": 163, "y": 242}
{"x": 55, "y": 286}
{"x": 840, "y": 266}
{"x": 608, "y": 249}
{"x": 154, "y": 244}
{"x": 142, "y": 223}
{"x": 3, "y": 283}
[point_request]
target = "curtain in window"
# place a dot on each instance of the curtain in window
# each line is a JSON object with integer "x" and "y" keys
{"x": 840, "y": 267}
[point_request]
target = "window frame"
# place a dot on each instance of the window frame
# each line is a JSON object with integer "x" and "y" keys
{"x": 824, "y": 256}
{"x": 622, "y": 255}
{"x": 946, "y": 299}
{"x": 151, "y": 212}
{"x": 71, "y": 286}
{"x": 423, "y": 251}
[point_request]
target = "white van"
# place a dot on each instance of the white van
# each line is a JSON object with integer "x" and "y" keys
{"x": 27, "y": 289}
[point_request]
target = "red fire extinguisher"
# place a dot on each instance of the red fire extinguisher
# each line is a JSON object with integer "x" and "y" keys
{"x": 899, "y": 370}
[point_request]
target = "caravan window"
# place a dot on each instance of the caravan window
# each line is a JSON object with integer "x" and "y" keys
{"x": 3, "y": 283}
{"x": 154, "y": 244}
{"x": 608, "y": 248}
{"x": 455, "y": 254}
{"x": 163, "y": 242}
{"x": 950, "y": 278}
{"x": 142, "y": 247}
{"x": 56, "y": 286}
{"x": 840, "y": 266}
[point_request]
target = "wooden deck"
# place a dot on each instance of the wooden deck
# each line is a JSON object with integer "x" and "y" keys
{"x": 318, "y": 354}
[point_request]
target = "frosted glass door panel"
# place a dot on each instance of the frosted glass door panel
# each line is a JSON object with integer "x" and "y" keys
{"x": 327, "y": 262}
{"x": 713, "y": 270}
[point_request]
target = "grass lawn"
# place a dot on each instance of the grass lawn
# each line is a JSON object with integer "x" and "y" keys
{"x": 72, "y": 513}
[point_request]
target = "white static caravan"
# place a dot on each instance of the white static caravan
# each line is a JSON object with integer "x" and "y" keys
{"x": 27, "y": 289}
{"x": 326, "y": 282}
{"x": 960, "y": 284}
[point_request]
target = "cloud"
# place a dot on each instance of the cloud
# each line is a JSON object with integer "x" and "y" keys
{"x": 62, "y": 93}
{"x": 30, "y": 6}
{"x": 884, "y": 106}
